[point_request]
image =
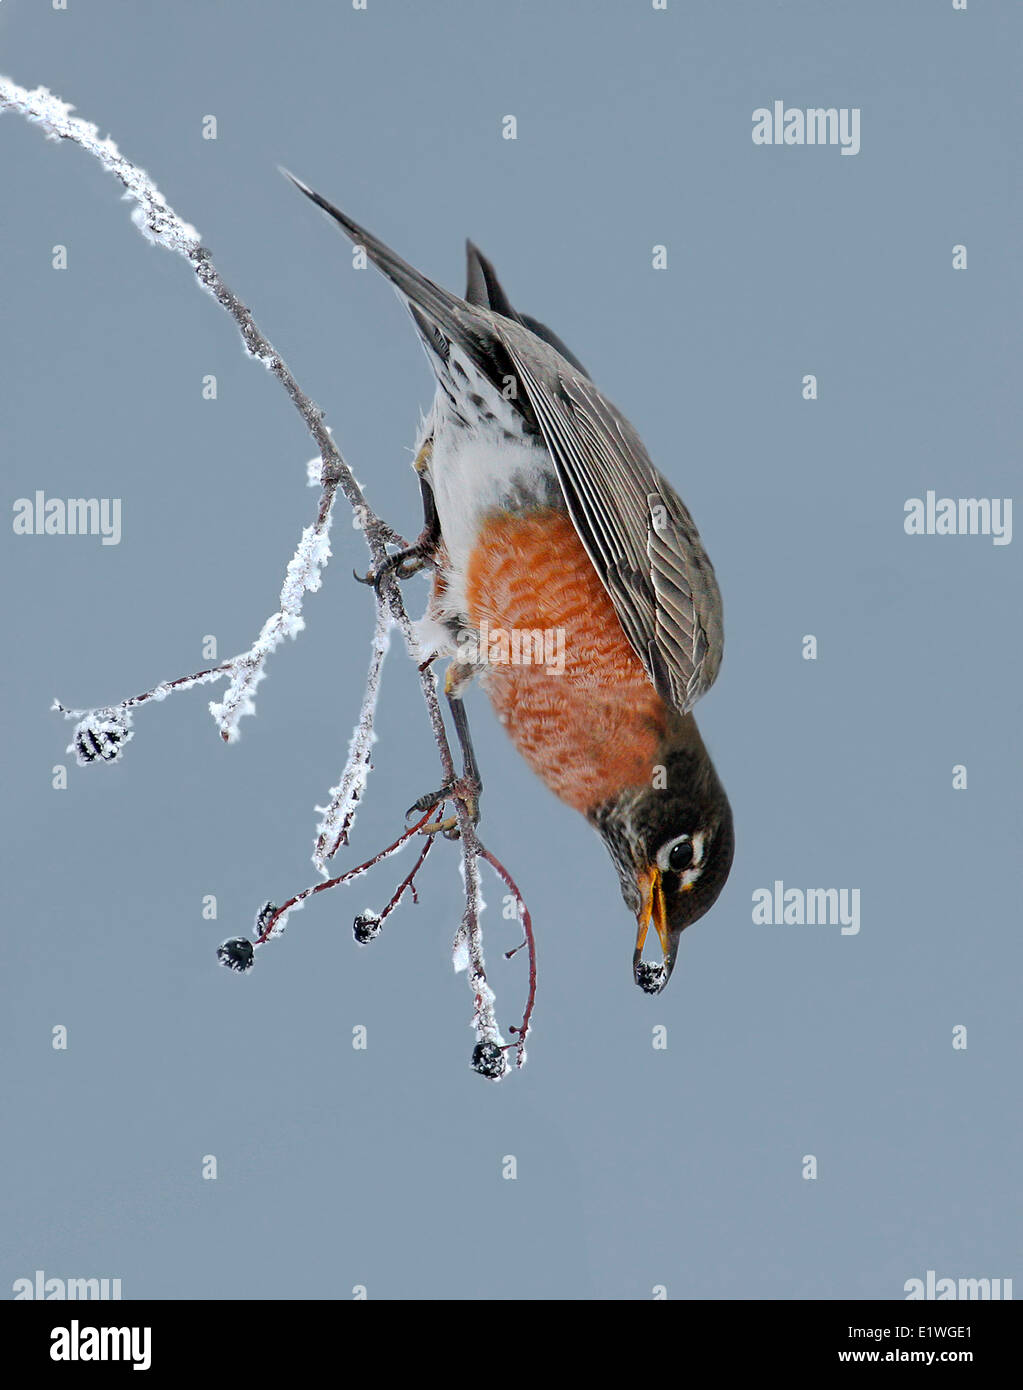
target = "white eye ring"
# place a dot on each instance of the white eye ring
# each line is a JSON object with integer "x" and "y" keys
{"x": 665, "y": 851}
{"x": 692, "y": 870}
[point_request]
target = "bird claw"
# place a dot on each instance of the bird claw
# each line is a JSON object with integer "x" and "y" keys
{"x": 401, "y": 566}
{"x": 468, "y": 793}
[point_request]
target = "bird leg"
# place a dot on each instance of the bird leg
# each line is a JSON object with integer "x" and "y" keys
{"x": 405, "y": 563}
{"x": 469, "y": 787}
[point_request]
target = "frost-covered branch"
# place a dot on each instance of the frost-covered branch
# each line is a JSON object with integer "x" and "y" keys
{"x": 101, "y": 734}
{"x": 339, "y": 813}
{"x": 488, "y": 1054}
{"x": 304, "y": 574}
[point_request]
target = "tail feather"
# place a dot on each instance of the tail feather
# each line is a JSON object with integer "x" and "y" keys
{"x": 441, "y": 317}
{"x": 436, "y": 303}
{"x": 485, "y": 289}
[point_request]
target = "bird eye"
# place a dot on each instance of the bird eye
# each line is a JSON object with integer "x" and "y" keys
{"x": 677, "y": 855}
{"x": 681, "y": 856}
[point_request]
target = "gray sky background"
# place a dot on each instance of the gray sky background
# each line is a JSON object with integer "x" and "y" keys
{"x": 636, "y": 1167}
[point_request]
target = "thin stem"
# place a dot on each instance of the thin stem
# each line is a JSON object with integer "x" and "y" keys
{"x": 274, "y": 917}
{"x": 527, "y": 926}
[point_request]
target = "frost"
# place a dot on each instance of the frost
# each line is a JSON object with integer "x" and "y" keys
{"x": 484, "y": 1018}
{"x": 101, "y": 736}
{"x": 153, "y": 215}
{"x": 339, "y": 814}
{"x": 460, "y": 952}
{"x": 304, "y": 568}
{"x": 304, "y": 574}
{"x": 267, "y": 915}
{"x": 263, "y": 917}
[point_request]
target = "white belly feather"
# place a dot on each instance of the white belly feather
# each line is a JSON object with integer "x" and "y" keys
{"x": 472, "y": 471}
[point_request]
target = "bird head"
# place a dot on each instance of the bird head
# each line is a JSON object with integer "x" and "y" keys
{"x": 672, "y": 843}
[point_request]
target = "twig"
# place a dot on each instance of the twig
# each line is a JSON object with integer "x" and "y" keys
{"x": 526, "y": 922}
{"x": 488, "y": 1056}
{"x": 273, "y": 922}
{"x": 339, "y": 813}
{"x": 408, "y": 883}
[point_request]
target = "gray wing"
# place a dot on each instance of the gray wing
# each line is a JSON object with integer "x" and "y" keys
{"x": 634, "y": 527}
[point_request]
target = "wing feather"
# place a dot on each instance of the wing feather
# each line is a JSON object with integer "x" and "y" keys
{"x": 633, "y": 525}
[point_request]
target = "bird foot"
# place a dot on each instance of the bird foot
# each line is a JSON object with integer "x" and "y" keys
{"x": 402, "y": 565}
{"x": 464, "y": 789}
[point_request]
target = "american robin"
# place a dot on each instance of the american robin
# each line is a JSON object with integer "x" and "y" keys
{"x": 545, "y": 518}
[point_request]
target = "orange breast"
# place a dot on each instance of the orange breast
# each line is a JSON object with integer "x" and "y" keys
{"x": 595, "y": 726}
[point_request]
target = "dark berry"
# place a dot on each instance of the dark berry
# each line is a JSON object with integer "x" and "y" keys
{"x": 236, "y": 954}
{"x": 101, "y": 736}
{"x": 366, "y": 926}
{"x": 488, "y": 1060}
{"x": 650, "y": 976}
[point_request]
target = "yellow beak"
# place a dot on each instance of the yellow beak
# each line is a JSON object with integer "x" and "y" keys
{"x": 652, "y": 909}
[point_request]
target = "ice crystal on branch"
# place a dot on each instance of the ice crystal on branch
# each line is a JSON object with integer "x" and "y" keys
{"x": 304, "y": 573}
{"x": 152, "y": 215}
{"x": 264, "y": 917}
{"x": 339, "y": 814}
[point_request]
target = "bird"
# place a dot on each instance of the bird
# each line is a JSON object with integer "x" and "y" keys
{"x": 543, "y": 514}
